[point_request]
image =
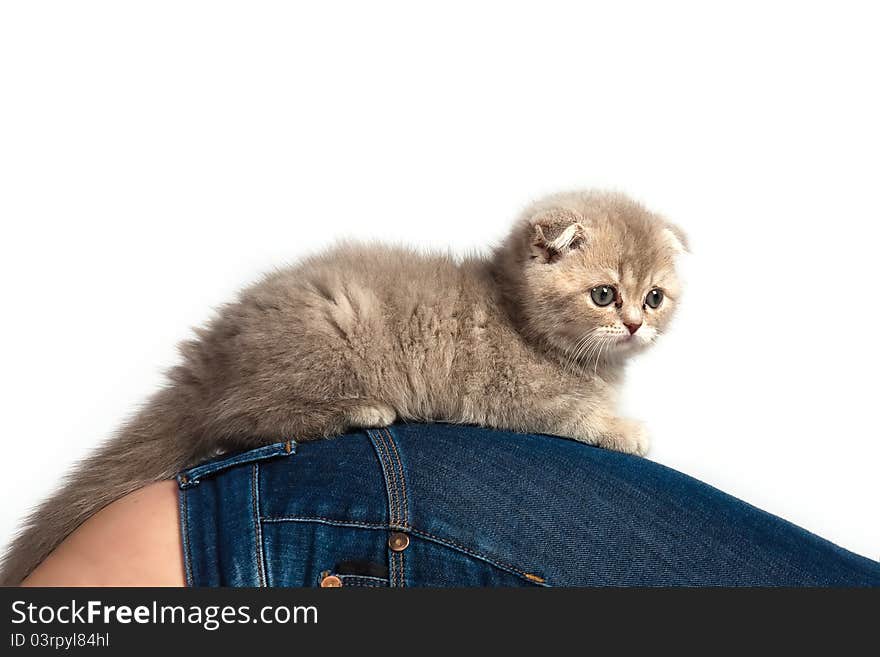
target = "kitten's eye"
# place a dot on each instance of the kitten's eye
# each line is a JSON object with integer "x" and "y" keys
{"x": 602, "y": 295}
{"x": 654, "y": 298}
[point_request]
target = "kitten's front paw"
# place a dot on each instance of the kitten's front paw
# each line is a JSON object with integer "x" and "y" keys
{"x": 626, "y": 436}
{"x": 372, "y": 416}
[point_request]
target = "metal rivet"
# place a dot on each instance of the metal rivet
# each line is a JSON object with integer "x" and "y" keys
{"x": 398, "y": 541}
{"x": 331, "y": 582}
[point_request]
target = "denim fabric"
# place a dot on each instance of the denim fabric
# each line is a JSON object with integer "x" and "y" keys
{"x": 483, "y": 508}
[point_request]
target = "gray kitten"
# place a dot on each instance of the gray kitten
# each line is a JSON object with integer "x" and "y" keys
{"x": 532, "y": 338}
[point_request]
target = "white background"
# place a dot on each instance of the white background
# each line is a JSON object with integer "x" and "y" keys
{"x": 156, "y": 156}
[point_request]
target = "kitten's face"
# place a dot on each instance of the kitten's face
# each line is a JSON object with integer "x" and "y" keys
{"x": 598, "y": 278}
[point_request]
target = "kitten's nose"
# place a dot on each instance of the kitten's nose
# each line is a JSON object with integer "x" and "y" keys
{"x": 632, "y": 327}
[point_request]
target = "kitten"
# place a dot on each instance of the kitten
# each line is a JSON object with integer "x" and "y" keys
{"x": 532, "y": 338}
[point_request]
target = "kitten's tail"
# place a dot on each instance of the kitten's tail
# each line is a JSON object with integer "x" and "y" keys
{"x": 153, "y": 446}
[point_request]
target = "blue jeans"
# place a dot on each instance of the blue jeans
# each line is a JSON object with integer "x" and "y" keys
{"x": 444, "y": 505}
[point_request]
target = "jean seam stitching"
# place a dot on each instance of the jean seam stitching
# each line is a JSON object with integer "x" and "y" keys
{"x": 395, "y": 482}
{"x": 500, "y": 564}
{"x": 332, "y": 521}
{"x": 195, "y": 474}
{"x": 390, "y": 477}
{"x": 392, "y": 471}
{"x": 492, "y": 561}
{"x": 405, "y": 510}
{"x": 184, "y": 516}
{"x": 258, "y": 532}
{"x": 387, "y": 476}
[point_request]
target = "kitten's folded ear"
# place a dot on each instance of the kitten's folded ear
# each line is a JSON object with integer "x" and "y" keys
{"x": 677, "y": 238}
{"x": 554, "y": 235}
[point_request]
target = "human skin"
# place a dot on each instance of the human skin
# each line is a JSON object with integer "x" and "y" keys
{"x": 134, "y": 541}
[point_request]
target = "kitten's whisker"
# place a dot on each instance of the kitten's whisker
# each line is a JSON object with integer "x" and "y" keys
{"x": 599, "y": 355}
{"x": 585, "y": 353}
{"x": 588, "y": 355}
{"x": 565, "y": 355}
{"x": 575, "y": 351}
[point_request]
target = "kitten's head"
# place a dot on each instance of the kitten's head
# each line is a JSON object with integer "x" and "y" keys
{"x": 591, "y": 274}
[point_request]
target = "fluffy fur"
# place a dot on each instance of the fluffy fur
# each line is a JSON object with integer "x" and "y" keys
{"x": 362, "y": 335}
